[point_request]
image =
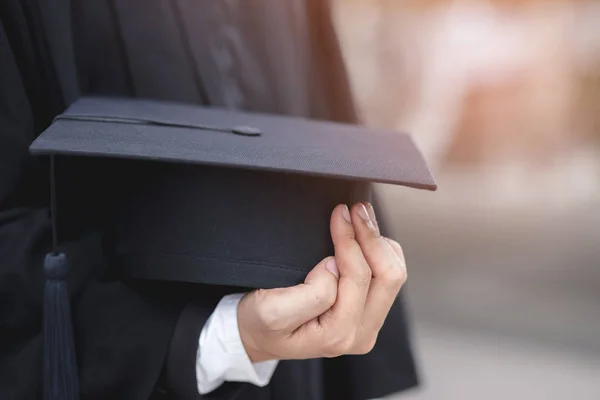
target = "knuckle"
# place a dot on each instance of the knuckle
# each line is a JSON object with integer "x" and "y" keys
{"x": 349, "y": 235}
{"x": 348, "y": 246}
{"x": 269, "y": 315}
{"x": 330, "y": 298}
{"x": 366, "y": 345}
{"x": 339, "y": 345}
{"x": 346, "y": 236}
{"x": 323, "y": 296}
{"x": 395, "y": 245}
{"x": 363, "y": 275}
{"x": 395, "y": 277}
{"x": 397, "y": 248}
{"x": 317, "y": 296}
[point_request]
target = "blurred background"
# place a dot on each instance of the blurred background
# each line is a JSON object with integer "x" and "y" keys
{"x": 503, "y": 99}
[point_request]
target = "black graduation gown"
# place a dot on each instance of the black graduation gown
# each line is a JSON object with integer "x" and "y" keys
{"x": 137, "y": 340}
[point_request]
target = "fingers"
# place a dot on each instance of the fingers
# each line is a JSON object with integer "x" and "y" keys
{"x": 398, "y": 250}
{"x": 286, "y": 309}
{"x": 342, "y": 304}
{"x": 386, "y": 260}
{"x": 355, "y": 274}
{"x": 380, "y": 256}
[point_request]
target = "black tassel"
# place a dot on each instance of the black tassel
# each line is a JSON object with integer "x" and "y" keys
{"x": 61, "y": 380}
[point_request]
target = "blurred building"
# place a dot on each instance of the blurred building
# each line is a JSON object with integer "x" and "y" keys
{"x": 503, "y": 97}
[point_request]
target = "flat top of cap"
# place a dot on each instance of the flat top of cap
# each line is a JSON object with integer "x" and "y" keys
{"x": 183, "y": 133}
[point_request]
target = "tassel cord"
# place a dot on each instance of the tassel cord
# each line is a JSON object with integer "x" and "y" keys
{"x": 60, "y": 371}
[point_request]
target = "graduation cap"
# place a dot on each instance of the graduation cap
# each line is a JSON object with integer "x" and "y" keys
{"x": 208, "y": 195}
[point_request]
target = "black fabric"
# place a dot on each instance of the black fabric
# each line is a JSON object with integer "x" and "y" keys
{"x": 180, "y": 369}
{"x": 180, "y": 373}
{"x": 388, "y": 368}
{"x": 55, "y": 25}
{"x": 115, "y": 327}
{"x": 251, "y": 229}
{"x": 124, "y": 329}
{"x": 164, "y": 224}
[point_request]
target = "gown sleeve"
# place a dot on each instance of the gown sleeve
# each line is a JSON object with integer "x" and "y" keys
{"x": 123, "y": 331}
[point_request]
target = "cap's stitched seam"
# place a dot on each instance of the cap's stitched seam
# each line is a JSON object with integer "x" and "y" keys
{"x": 228, "y": 260}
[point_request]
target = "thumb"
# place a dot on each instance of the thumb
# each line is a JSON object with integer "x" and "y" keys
{"x": 302, "y": 303}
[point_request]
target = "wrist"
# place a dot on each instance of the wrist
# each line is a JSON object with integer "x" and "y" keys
{"x": 254, "y": 354}
{"x": 253, "y": 350}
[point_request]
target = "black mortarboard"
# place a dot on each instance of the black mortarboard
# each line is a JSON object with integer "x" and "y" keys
{"x": 215, "y": 196}
{"x": 198, "y": 194}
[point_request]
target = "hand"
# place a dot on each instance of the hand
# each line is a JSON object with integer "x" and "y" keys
{"x": 342, "y": 304}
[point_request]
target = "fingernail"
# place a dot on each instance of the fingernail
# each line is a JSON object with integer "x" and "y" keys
{"x": 364, "y": 214}
{"x": 371, "y": 211}
{"x": 346, "y": 214}
{"x": 332, "y": 267}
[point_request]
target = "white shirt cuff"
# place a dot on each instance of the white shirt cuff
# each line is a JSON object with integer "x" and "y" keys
{"x": 221, "y": 355}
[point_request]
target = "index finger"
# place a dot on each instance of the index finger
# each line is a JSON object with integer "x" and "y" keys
{"x": 355, "y": 274}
